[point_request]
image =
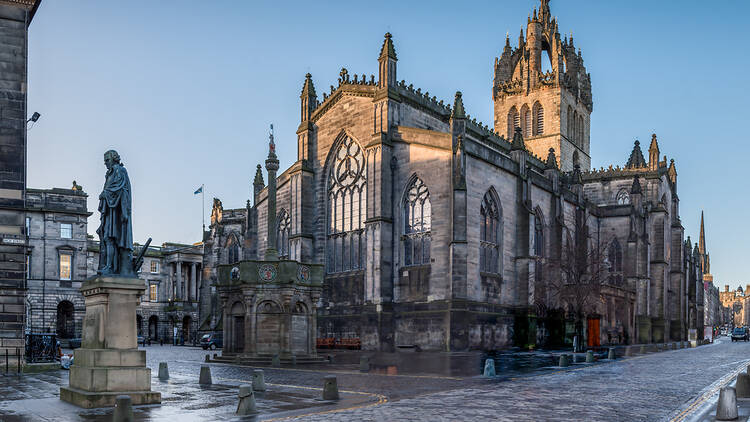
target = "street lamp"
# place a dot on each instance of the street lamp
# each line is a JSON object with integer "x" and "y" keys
{"x": 34, "y": 117}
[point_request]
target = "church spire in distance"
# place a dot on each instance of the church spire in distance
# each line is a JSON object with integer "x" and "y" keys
{"x": 702, "y": 239}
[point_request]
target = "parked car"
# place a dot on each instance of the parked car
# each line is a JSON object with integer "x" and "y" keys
{"x": 740, "y": 333}
{"x": 141, "y": 340}
{"x": 74, "y": 343}
{"x": 212, "y": 341}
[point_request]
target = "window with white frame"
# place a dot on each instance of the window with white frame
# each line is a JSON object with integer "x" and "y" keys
{"x": 154, "y": 267}
{"x": 66, "y": 266}
{"x": 66, "y": 230}
{"x": 153, "y": 293}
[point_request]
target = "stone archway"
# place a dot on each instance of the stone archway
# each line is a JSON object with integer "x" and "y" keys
{"x": 153, "y": 327}
{"x": 268, "y": 328}
{"x": 237, "y": 324}
{"x": 66, "y": 326}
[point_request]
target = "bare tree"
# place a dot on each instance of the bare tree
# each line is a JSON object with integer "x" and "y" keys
{"x": 575, "y": 277}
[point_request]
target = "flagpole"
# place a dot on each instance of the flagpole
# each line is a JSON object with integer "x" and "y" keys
{"x": 203, "y": 210}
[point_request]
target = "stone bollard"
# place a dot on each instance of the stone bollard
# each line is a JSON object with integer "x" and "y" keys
{"x": 742, "y": 386}
{"x": 682, "y": 345}
{"x": 246, "y": 406}
{"x": 123, "y": 409}
{"x": 364, "y": 364}
{"x": 330, "y": 388}
{"x": 642, "y": 351}
{"x": 674, "y": 346}
{"x": 489, "y": 367}
{"x": 611, "y": 354}
{"x": 163, "y": 371}
{"x": 259, "y": 382}
{"x": 294, "y": 360}
{"x": 216, "y": 355}
{"x": 589, "y": 356}
{"x": 275, "y": 361}
{"x": 726, "y": 407}
{"x": 564, "y": 361}
{"x": 205, "y": 376}
{"x": 208, "y": 358}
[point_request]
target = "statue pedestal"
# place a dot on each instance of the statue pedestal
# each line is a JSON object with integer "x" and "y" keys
{"x": 109, "y": 363}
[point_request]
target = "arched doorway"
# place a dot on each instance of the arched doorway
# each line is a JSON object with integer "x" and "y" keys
{"x": 238, "y": 327}
{"x": 268, "y": 325}
{"x": 66, "y": 326}
{"x": 139, "y": 325}
{"x": 153, "y": 327}
{"x": 186, "y": 334}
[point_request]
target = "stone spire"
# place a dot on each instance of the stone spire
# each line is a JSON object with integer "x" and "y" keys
{"x": 308, "y": 98}
{"x": 387, "y": 63}
{"x": 272, "y": 165}
{"x": 702, "y": 239}
{"x": 636, "y": 159}
{"x": 517, "y": 143}
{"x": 653, "y": 154}
{"x": 458, "y": 107}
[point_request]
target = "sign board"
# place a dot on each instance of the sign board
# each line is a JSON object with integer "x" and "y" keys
{"x": 11, "y": 241}
{"x": 692, "y": 334}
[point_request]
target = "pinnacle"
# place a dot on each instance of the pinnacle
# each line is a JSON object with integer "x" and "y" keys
{"x": 517, "y": 143}
{"x": 551, "y": 160}
{"x": 308, "y": 88}
{"x": 388, "y": 50}
{"x": 458, "y": 107}
{"x": 636, "y": 186}
{"x": 636, "y": 159}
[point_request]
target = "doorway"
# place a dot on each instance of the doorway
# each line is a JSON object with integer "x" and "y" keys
{"x": 593, "y": 333}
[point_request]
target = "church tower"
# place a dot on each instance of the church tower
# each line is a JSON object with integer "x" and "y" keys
{"x": 542, "y": 87}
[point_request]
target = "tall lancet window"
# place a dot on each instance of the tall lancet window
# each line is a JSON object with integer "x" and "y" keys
{"x": 417, "y": 224}
{"x": 282, "y": 234}
{"x": 538, "y": 119}
{"x": 489, "y": 230}
{"x": 514, "y": 121}
{"x": 347, "y": 208}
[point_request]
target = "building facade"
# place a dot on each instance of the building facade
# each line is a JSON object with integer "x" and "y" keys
{"x": 61, "y": 255}
{"x": 15, "y": 18}
{"x": 438, "y": 232}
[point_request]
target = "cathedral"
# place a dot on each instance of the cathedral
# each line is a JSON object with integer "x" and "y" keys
{"x": 438, "y": 232}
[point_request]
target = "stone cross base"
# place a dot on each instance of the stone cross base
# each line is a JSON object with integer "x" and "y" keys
{"x": 109, "y": 364}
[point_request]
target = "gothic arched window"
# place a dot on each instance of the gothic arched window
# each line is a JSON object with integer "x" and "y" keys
{"x": 417, "y": 224}
{"x": 282, "y": 234}
{"x": 623, "y": 197}
{"x": 569, "y": 131}
{"x": 514, "y": 121}
{"x": 233, "y": 249}
{"x": 526, "y": 121}
{"x": 615, "y": 256}
{"x": 538, "y": 235}
{"x": 347, "y": 208}
{"x": 538, "y": 119}
{"x": 489, "y": 230}
{"x": 576, "y": 140}
{"x": 581, "y": 131}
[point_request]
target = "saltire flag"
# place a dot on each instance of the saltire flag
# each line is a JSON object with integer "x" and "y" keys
{"x": 200, "y": 190}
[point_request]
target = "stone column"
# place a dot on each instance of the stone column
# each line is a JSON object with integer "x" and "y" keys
{"x": 193, "y": 294}
{"x": 272, "y": 165}
{"x": 178, "y": 265}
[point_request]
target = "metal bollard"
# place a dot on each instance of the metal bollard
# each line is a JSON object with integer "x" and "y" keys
{"x": 205, "y": 375}
{"x": 642, "y": 351}
{"x": 246, "y": 405}
{"x": 489, "y": 367}
{"x": 364, "y": 364}
{"x": 259, "y": 382}
{"x": 294, "y": 360}
{"x": 163, "y": 371}
{"x": 208, "y": 358}
{"x": 726, "y": 407}
{"x": 330, "y": 388}
{"x": 589, "y": 356}
{"x": 611, "y": 354}
{"x": 629, "y": 351}
{"x": 275, "y": 361}
{"x": 18, "y": 361}
{"x": 123, "y": 409}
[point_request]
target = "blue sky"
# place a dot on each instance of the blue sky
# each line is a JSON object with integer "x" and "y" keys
{"x": 185, "y": 92}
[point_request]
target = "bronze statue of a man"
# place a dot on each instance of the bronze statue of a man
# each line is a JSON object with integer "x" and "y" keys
{"x": 116, "y": 229}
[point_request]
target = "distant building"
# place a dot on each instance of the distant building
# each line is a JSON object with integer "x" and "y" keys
{"x": 61, "y": 255}
{"x": 734, "y": 303}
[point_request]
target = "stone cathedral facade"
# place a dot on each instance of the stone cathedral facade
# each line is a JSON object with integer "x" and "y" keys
{"x": 438, "y": 232}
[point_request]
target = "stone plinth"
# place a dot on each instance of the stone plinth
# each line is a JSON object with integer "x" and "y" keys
{"x": 109, "y": 363}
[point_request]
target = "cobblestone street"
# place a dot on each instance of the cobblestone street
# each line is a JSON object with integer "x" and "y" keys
{"x": 653, "y": 387}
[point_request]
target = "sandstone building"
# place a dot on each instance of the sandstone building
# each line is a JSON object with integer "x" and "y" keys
{"x": 440, "y": 233}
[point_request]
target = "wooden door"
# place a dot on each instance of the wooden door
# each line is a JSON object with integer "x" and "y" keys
{"x": 593, "y": 332}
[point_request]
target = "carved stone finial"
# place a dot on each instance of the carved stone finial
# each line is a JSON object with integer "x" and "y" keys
{"x": 551, "y": 160}
{"x": 458, "y": 107}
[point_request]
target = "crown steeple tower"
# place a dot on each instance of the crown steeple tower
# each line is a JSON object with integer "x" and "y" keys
{"x": 542, "y": 87}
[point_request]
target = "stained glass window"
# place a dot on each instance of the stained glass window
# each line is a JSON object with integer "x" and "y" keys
{"x": 489, "y": 249}
{"x": 417, "y": 224}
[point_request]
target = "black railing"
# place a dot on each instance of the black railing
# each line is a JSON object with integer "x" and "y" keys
{"x": 8, "y": 357}
{"x": 41, "y": 347}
